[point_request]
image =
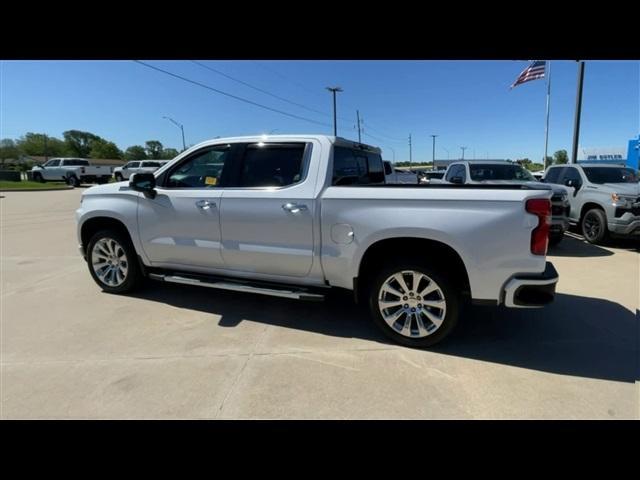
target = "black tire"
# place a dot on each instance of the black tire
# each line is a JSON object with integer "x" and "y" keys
{"x": 133, "y": 278}
{"x": 594, "y": 226}
{"x": 73, "y": 181}
{"x": 37, "y": 177}
{"x": 555, "y": 239}
{"x": 118, "y": 177}
{"x": 449, "y": 292}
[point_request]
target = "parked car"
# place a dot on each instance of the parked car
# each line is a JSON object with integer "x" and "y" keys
{"x": 496, "y": 172}
{"x": 604, "y": 199}
{"x": 297, "y": 215}
{"x": 73, "y": 171}
{"x": 124, "y": 172}
{"x": 393, "y": 175}
{"x": 433, "y": 176}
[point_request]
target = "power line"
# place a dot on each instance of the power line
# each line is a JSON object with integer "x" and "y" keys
{"x": 230, "y": 95}
{"x": 299, "y": 85}
{"x": 259, "y": 89}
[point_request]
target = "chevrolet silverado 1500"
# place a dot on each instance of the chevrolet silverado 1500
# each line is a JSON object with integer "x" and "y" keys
{"x": 293, "y": 216}
{"x": 73, "y": 171}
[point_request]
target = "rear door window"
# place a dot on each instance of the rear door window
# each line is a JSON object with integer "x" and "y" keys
{"x": 272, "y": 165}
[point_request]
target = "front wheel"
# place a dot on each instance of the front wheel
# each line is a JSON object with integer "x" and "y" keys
{"x": 413, "y": 304}
{"x": 112, "y": 262}
{"x": 73, "y": 181}
{"x": 594, "y": 226}
{"x": 119, "y": 177}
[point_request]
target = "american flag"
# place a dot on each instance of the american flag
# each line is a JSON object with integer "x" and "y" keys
{"x": 532, "y": 72}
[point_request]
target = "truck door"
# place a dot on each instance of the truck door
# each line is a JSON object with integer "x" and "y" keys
{"x": 181, "y": 225}
{"x": 267, "y": 214}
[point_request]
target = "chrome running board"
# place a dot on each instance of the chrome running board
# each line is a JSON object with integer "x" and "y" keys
{"x": 284, "y": 292}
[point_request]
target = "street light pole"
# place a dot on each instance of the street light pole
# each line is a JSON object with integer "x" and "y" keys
{"x": 576, "y": 128}
{"x": 463, "y": 149}
{"x": 333, "y": 90}
{"x": 433, "y": 159}
{"x": 393, "y": 150}
{"x": 184, "y": 146}
{"x": 410, "y": 153}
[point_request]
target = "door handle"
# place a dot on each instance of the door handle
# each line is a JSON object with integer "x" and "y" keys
{"x": 293, "y": 207}
{"x": 205, "y": 204}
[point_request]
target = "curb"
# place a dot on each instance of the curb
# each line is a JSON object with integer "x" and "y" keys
{"x": 35, "y": 189}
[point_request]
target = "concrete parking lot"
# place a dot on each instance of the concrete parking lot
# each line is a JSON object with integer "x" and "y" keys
{"x": 69, "y": 350}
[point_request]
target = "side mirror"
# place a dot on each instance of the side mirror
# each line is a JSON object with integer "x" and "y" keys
{"x": 143, "y": 182}
{"x": 573, "y": 183}
{"x": 125, "y": 167}
{"x": 457, "y": 180}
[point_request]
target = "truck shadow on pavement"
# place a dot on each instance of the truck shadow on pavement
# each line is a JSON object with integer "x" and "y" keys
{"x": 574, "y": 246}
{"x": 578, "y": 336}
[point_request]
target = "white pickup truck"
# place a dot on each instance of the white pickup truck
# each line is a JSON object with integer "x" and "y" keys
{"x": 73, "y": 171}
{"x": 136, "y": 166}
{"x": 393, "y": 175}
{"x": 296, "y": 215}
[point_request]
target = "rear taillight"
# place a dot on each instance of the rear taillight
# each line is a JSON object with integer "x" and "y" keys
{"x": 541, "y": 207}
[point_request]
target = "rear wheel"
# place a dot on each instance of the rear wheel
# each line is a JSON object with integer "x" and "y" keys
{"x": 414, "y": 304}
{"x": 594, "y": 226}
{"x": 113, "y": 262}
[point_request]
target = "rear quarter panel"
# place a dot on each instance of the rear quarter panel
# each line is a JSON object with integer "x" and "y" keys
{"x": 489, "y": 229}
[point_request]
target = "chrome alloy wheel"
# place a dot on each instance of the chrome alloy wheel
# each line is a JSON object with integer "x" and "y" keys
{"x": 109, "y": 262}
{"x": 412, "y": 304}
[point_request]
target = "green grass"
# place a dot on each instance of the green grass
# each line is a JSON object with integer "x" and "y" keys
{"x": 8, "y": 185}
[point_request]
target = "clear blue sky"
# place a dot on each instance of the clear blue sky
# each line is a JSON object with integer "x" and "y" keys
{"x": 465, "y": 102}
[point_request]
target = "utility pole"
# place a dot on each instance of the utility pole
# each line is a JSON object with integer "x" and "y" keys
{"x": 410, "y": 153}
{"x": 433, "y": 158}
{"x": 463, "y": 149}
{"x": 576, "y": 128}
{"x": 358, "y": 115}
{"x": 334, "y": 90}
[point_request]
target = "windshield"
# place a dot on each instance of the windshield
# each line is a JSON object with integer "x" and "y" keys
{"x": 610, "y": 175}
{"x": 487, "y": 171}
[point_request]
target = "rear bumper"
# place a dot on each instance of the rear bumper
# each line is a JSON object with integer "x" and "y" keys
{"x": 530, "y": 291}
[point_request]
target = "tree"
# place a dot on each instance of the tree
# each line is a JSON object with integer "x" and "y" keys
{"x": 39, "y": 144}
{"x": 524, "y": 162}
{"x": 8, "y": 149}
{"x": 154, "y": 149}
{"x": 79, "y": 143}
{"x": 169, "y": 153}
{"x": 103, "y": 149}
{"x": 135, "y": 152}
{"x": 560, "y": 157}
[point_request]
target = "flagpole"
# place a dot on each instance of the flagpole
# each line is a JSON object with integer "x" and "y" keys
{"x": 546, "y": 130}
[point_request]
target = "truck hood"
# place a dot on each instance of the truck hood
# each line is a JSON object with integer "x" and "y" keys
{"x": 107, "y": 188}
{"x": 632, "y": 189}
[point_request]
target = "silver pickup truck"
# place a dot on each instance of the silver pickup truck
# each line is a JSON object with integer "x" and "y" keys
{"x": 605, "y": 199}
{"x": 73, "y": 171}
{"x": 294, "y": 216}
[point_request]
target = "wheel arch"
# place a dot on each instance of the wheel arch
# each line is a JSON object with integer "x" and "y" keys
{"x": 590, "y": 206}
{"x": 386, "y": 250}
{"x": 94, "y": 224}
